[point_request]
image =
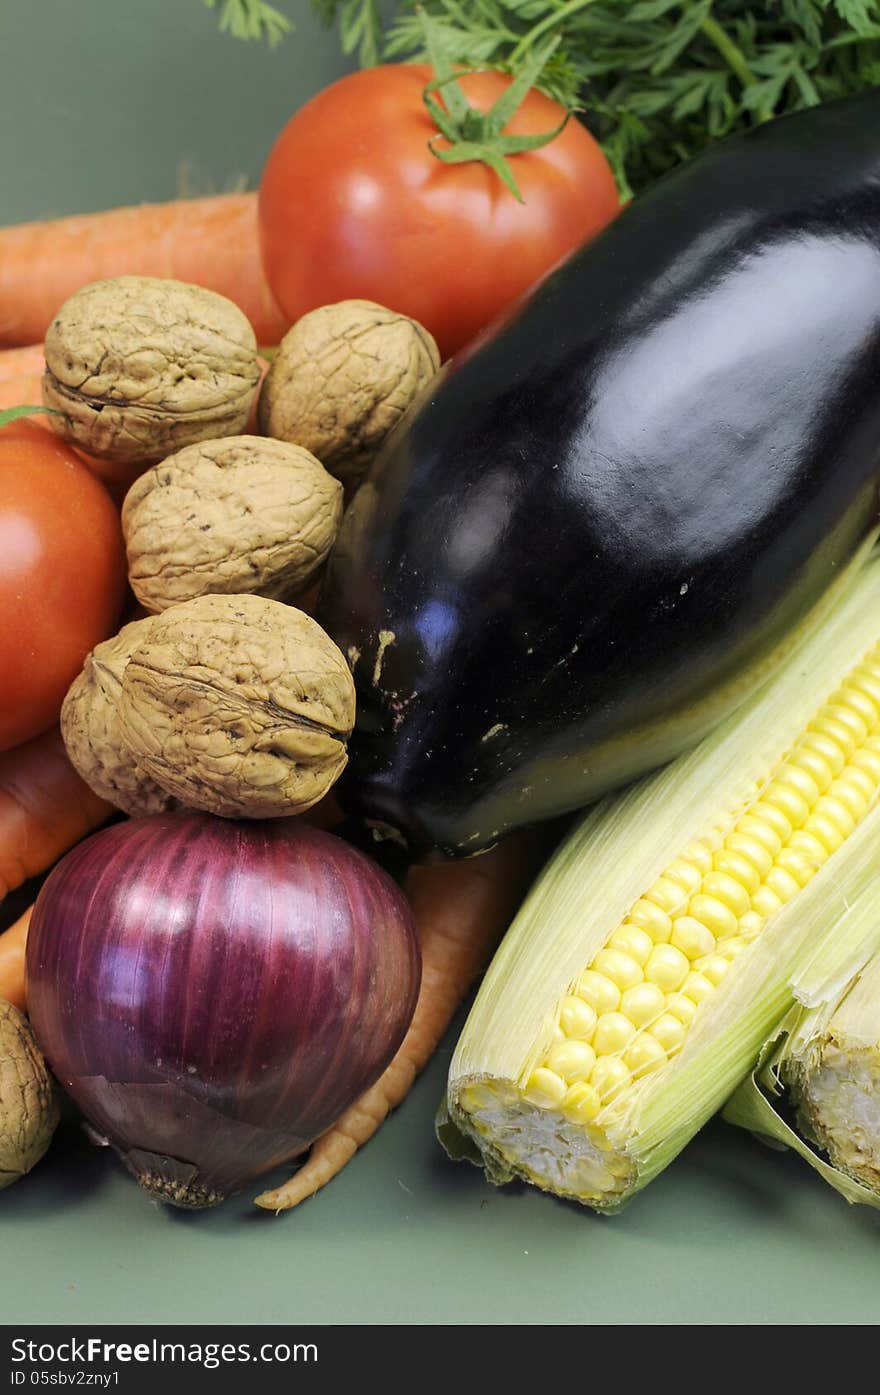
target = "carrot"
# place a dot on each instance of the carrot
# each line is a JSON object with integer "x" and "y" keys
{"x": 21, "y": 371}
{"x": 20, "y": 392}
{"x": 44, "y": 808}
{"x": 461, "y": 910}
{"x": 12, "y": 947}
{"x": 26, "y": 362}
{"x": 210, "y": 242}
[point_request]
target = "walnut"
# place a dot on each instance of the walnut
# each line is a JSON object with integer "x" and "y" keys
{"x": 240, "y": 514}
{"x": 343, "y": 377}
{"x": 90, "y": 727}
{"x": 238, "y": 705}
{"x": 29, "y": 1108}
{"x": 139, "y": 367}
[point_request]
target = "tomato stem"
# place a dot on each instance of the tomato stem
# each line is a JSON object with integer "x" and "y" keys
{"x": 477, "y": 135}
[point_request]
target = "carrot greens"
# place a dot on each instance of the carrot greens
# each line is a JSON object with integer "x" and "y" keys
{"x": 657, "y": 79}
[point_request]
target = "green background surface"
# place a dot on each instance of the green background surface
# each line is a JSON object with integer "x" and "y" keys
{"x": 105, "y": 102}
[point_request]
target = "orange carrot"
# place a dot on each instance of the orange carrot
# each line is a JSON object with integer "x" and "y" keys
{"x": 20, "y": 392}
{"x": 461, "y": 910}
{"x": 44, "y": 808}
{"x": 210, "y": 242}
{"x": 12, "y": 948}
{"x": 22, "y": 363}
{"x": 21, "y": 371}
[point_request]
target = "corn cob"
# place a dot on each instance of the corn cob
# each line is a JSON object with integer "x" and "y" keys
{"x": 824, "y": 1060}
{"x": 640, "y": 979}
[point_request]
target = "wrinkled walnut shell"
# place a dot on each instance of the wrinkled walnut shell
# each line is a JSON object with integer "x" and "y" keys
{"x": 139, "y": 367}
{"x": 90, "y": 727}
{"x": 342, "y": 379}
{"x": 242, "y": 514}
{"x": 238, "y": 705}
{"x": 29, "y": 1108}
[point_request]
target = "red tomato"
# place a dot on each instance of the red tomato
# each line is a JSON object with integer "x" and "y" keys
{"x": 62, "y": 575}
{"x": 354, "y": 205}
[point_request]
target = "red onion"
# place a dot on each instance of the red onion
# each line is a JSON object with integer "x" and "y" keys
{"x": 213, "y": 994}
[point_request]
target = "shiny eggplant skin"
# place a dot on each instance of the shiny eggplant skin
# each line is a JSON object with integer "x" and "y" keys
{"x": 610, "y": 515}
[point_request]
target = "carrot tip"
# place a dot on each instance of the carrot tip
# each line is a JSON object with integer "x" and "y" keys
{"x": 272, "y": 1201}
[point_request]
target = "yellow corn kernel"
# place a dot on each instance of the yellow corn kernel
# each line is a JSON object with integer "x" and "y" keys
{"x": 788, "y": 802}
{"x": 610, "y": 1074}
{"x": 802, "y": 868}
{"x": 692, "y": 937}
{"x": 867, "y": 760}
{"x": 714, "y": 968}
{"x": 598, "y": 990}
{"x": 613, "y": 1034}
{"x": 856, "y": 778}
{"x": 655, "y": 922}
{"x": 669, "y": 896}
{"x": 765, "y": 901}
{"x": 685, "y": 874}
{"x": 794, "y": 777}
{"x": 774, "y": 819}
{"x": 810, "y": 761}
{"x": 669, "y": 1032}
{"x": 643, "y": 1055}
{"x": 681, "y": 1007}
{"x": 837, "y": 812}
{"x": 728, "y": 891}
{"x": 581, "y": 1103}
{"x": 577, "y": 1018}
{"x": 847, "y": 792}
{"x": 697, "y": 987}
{"x": 858, "y": 702}
{"x": 619, "y": 966}
{"x": 753, "y": 852}
{"x": 545, "y": 1088}
{"x": 781, "y": 883}
{"x": 699, "y": 854}
{"x": 851, "y": 722}
{"x": 828, "y": 751}
{"x": 642, "y": 1003}
{"x": 667, "y": 968}
{"x": 633, "y": 941}
{"x": 809, "y": 847}
{"x": 759, "y": 831}
{"x": 731, "y": 948}
{"x": 573, "y": 1060}
{"x": 750, "y": 925}
{"x": 734, "y": 865}
{"x": 824, "y": 830}
{"x": 477, "y": 1097}
{"x": 863, "y": 677}
{"x": 830, "y": 728}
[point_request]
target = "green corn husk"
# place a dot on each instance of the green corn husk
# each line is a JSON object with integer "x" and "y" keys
{"x": 619, "y": 848}
{"x": 821, "y": 1064}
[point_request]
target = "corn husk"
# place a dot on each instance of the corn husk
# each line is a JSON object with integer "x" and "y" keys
{"x": 820, "y": 1067}
{"x": 618, "y": 849}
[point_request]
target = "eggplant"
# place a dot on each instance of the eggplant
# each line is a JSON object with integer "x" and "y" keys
{"x": 611, "y": 515}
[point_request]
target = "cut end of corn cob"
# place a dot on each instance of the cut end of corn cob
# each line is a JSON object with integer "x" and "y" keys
{"x": 830, "y": 1064}
{"x": 541, "y": 1145}
{"x": 583, "y": 1115}
{"x": 839, "y": 1107}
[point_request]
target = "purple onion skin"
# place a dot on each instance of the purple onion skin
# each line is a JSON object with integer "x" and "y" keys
{"x": 214, "y": 994}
